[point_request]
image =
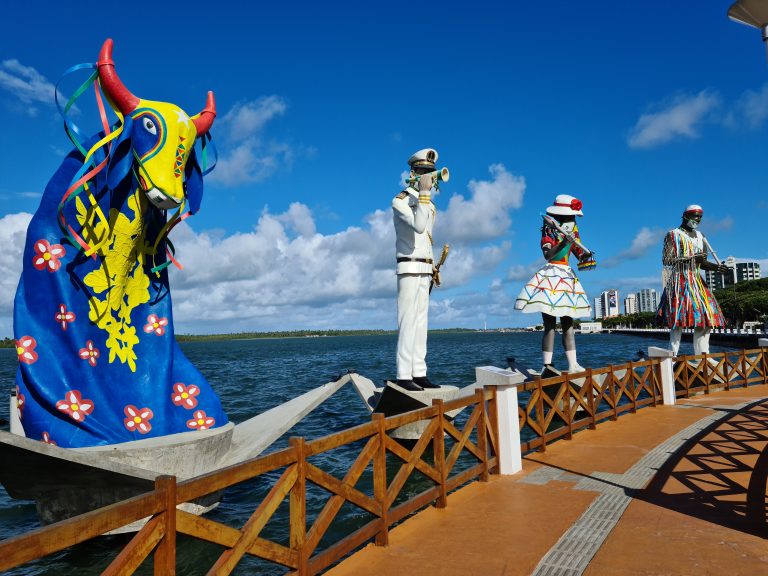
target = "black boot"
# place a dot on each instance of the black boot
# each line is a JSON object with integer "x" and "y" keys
{"x": 549, "y": 371}
{"x": 409, "y": 385}
{"x": 424, "y": 382}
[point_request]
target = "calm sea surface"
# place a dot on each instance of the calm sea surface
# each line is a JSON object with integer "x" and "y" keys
{"x": 251, "y": 376}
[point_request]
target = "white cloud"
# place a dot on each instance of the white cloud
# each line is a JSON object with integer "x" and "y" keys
{"x": 249, "y": 118}
{"x": 713, "y": 226}
{"x": 26, "y": 83}
{"x": 284, "y": 274}
{"x": 678, "y": 117}
{"x": 751, "y": 109}
{"x": 13, "y": 231}
{"x": 485, "y": 214}
{"x": 524, "y": 271}
{"x": 246, "y": 155}
{"x": 284, "y": 271}
{"x": 645, "y": 239}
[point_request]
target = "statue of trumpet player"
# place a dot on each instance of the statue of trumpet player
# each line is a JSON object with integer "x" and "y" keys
{"x": 414, "y": 217}
{"x": 554, "y": 290}
{"x": 687, "y": 301}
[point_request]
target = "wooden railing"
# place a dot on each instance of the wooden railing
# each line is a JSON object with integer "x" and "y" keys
{"x": 557, "y": 407}
{"x": 720, "y": 371}
{"x": 550, "y": 409}
{"x": 477, "y": 437}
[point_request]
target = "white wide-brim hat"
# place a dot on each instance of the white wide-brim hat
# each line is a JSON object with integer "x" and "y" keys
{"x": 565, "y": 206}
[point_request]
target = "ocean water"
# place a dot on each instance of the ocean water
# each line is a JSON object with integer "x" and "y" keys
{"x": 254, "y": 375}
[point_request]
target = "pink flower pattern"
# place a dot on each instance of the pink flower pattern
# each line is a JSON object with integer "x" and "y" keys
{"x": 185, "y": 395}
{"x": 138, "y": 420}
{"x": 47, "y": 255}
{"x": 200, "y": 421}
{"x": 25, "y": 348}
{"x": 89, "y": 353}
{"x": 75, "y": 406}
{"x": 47, "y": 439}
{"x": 20, "y": 401}
{"x": 155, "y": 324}
{"x": 64, "y": 316}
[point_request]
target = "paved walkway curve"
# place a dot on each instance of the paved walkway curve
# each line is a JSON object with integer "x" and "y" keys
{"x": 572, "y": 553}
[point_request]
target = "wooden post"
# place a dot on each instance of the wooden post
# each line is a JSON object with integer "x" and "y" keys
{"x": 687, "y": 374}
{"x": 744, "y": 367}
{"x": 482, "y": 434}
{"x": 763, "y": 343}
{"x": 298, "y": 506}
{"x": 540, "y": 414}
{"x": 380, "y": 480}
{"x": 493, "y": 418}
{"x": 591, "y": 400}
{"x": 613, "y": 393}
{"x": 438, "y": 450}
{"x": 655, "y": 371}
{"x": 705, "y": 374}
{"x": 567, "y": 406}
{"x": 165, "y": 553}
{"x": 632, "y": 388}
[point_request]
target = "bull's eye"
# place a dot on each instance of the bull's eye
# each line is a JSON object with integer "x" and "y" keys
{"x": 149, "y": 126}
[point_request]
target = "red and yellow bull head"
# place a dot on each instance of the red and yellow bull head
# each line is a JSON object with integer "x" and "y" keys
{"x": 157, "y": 140}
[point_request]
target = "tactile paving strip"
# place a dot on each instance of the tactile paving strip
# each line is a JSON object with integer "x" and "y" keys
{"x": 571, "y": 555}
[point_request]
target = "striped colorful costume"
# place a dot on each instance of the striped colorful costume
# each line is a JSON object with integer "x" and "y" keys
{"x": 555, "y": 289}
{"x": 687, "y": 301}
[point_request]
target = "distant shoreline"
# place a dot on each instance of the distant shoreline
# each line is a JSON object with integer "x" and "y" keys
{"x": 9, "y": 342}
{"x": 319, "y": 334}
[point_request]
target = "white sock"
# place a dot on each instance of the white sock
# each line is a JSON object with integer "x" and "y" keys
{"x": 547, "y": 357}
{"x": 572, "y": 364}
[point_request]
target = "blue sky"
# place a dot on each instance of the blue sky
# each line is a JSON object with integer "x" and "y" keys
{"x": 638, "y": 109}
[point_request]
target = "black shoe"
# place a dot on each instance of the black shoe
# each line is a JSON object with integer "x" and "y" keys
{"x": 424, "y": 382}
{"x": 409, "y": 385}
{"x": 549, "y": 371}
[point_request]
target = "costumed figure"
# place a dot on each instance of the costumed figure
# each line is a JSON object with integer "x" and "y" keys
{"x": 686, "y": 301}
{"x": 93, "y": 321}
{"x": 414, "y": 217}
{"x": 554, "y": 290}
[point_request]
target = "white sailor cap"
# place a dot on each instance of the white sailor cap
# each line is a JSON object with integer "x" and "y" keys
{"x": 693, "y": 209}
{"x": 423, "y": 158}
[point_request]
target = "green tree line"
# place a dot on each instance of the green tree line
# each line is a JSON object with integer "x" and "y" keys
{"x": 744, "y": 302}
{"x": 10, "y": 343}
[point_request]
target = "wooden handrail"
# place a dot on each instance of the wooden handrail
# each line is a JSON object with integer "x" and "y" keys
{"x": 61, "y": 535}
{"x": 557, "y": 407}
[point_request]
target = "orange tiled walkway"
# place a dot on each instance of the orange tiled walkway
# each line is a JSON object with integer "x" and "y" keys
{"x": 704, "y": 512}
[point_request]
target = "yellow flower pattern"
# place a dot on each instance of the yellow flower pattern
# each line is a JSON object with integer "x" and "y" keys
{"x": 120, "y": 283}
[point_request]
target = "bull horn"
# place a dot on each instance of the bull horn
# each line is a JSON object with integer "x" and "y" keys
{"x": 204, "y": 120}
{"x": 110, "y": 81}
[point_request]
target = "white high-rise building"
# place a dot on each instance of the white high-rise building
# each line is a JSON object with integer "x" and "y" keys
{"x": 647, "y": 300}
{"x": 609, "y": 303}
{"x": 630, "y": 304}
{"x": 598, "y": 309}
{"x": 741, "y": 271}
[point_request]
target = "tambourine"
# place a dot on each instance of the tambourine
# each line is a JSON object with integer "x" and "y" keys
{"x": 587, "y": 265}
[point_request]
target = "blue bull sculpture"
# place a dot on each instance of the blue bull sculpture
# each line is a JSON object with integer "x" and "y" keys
{"x": 98, "y": 361}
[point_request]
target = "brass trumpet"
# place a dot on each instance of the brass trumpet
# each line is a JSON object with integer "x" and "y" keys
{"x": 441, "y": 175}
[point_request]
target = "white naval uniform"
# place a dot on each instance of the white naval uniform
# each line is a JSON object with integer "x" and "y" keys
{"x": 413, "y": 229}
